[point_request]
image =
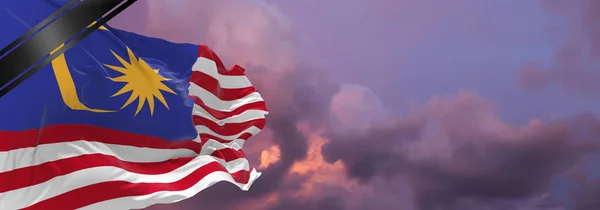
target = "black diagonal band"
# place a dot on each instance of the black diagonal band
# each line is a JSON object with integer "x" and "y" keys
{"x": 38, "y": 27}
{"x": 70, "y": 28}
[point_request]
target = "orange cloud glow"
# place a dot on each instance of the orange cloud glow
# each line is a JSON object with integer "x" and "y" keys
{"x": 269, "y": 156}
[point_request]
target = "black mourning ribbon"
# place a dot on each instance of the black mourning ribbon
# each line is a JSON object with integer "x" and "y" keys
{"x": 69, "y": 28}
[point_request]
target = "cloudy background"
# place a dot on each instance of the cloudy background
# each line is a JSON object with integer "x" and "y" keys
{"x": 406, "y": 104}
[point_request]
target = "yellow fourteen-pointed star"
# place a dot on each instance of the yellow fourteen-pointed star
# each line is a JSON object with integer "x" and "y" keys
{"x": 143, "y": 82}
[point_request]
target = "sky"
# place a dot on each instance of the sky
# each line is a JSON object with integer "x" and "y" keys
{"x": 406, "y": 104}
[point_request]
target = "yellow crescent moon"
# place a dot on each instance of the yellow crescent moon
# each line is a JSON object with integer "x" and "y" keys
{"x": 67, "y": 86}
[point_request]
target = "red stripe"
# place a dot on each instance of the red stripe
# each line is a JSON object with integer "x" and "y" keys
{"x": 116, "y": 189}
{"x": 228, "y": 154}
{"x": 32, "y": 175}
{"x": 206, "y": 52}
{"x": 213, "y": 86}
{"x": 259, "y": 105}
{"x": 228, "y": 129}
{"x": 74, "y": 132}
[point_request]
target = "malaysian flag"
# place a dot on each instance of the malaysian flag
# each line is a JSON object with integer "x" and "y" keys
{"x": 124, "y": 121}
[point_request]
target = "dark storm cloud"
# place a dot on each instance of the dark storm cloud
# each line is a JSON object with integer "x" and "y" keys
{"x": 326, "y": 203}
{"x": 459, "y": 149}
{"x": 373, "y": 153}
{"x": 588, "y": 196}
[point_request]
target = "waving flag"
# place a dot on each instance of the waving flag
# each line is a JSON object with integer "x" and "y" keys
{"x": 123, "y": 121}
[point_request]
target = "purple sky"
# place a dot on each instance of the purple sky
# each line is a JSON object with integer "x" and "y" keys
{"x": 454, "y": 105}
{"x": 417, "y": 50}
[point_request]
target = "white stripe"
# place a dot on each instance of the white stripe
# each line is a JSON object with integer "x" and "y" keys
{"x": 43, "y": 153}
{"x": 140, "y": 202}
{"x": 246, "y": 116}
{"x": 212, "y": 145}
{"x": 214, "y": 102}
{"x": 203, "y": 129}
{"x": 209, "y": 67}
{"x": 26, "y": 196}
{"x": 197, "y": 139}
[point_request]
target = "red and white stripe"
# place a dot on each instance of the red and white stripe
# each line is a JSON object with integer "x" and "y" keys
{"x": 87, "y": 167}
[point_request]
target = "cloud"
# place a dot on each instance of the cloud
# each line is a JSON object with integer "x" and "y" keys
{"x": 575, "y": 65}
{"x": 330, "y": 145}
{"x": 456, "y": 151}
{"x": 586, "y": 197}
{"x": 326, "y": 203}
{"x": 587, "y": 188}
{"x": 356, "y": 107}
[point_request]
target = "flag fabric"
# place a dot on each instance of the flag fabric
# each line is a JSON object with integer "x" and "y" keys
{"x": 122, "y": 121}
